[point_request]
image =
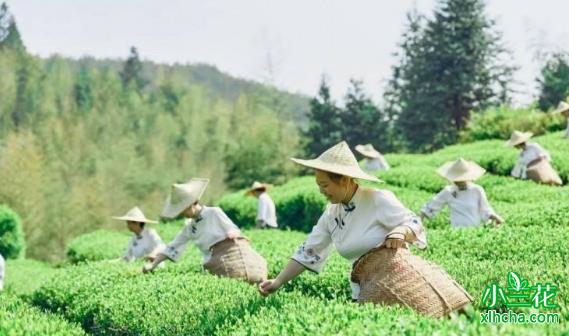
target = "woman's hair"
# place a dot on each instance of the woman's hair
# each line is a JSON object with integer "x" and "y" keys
{"x": 337, "y": 177}
{"x": 141, "y": 225}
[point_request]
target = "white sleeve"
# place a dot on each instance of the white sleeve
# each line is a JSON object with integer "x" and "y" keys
{"x": 262, "y": 209}
{"x": 225, "y": 222}
{"x": 392, "y": 213}
{"x": 129, "y": 254}
{"x": 543, "y": 152}
{"x": 435, "y": 205}
{"x": 174, "y": 250}
{"x": 517, "y": 170}
{"x": 485, "y": 209}
{"x": 156, "y": 243}
{"x": 384, "y": 163}
{"x": 314, "y": 251}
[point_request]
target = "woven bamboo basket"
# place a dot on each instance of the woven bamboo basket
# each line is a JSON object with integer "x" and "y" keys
{"x": 542, "y": 172}
{"x": 235, "y": 258}
{"x": 395, "y": 276}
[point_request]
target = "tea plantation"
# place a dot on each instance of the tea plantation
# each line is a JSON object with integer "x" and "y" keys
{"x": 96, "y": 294}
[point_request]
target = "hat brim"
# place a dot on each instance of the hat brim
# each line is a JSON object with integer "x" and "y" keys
{"x": 369, "y": 154}
{"x": 473, "y": 174}
{"x": 521, "y": 140}
{"x": 353, "y": 172}
{"x": 171, "y": 210}
{"x": 174, "y": 210}
{"x": 561, "y": 110}
{"x": 134, "y": 219}
{"x": 252, "y": 190}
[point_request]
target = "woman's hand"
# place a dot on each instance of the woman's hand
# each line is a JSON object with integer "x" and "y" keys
{"x": 497, "y": 219}
{"x": 268, "y": 287}
{"x": 233, "y": 234}
{"x": 148, "y": 268}
{"x": 395, "y": 241}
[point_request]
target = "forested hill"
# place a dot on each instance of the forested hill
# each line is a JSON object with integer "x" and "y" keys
{"x": 220, "y": 84}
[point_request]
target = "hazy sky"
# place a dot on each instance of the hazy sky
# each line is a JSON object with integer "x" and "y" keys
{"x": 305, "y": 38}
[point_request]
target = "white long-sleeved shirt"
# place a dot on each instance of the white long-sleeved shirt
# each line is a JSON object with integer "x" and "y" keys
{"x": 266, "y": 210}
{"x": 567, "y": 129}
{"x": 373, "y": 165}
{"x": 1, "y": 272}
{"x": 531, "y": 152}
{"x": 356, "y": 228}
{"x": 211, "y": 226}
{"x": 468, "y": 207}
{"x": 148, "y": 243}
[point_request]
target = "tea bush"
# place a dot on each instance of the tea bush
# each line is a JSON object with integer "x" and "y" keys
{"x": 12, "y": 245}
{"x": 19, "y": 318}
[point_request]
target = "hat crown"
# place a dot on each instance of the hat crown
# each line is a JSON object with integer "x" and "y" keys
{"x": 192, "y": 189}
{"x": 180, "y": 192}
{"x": 257, "y": 185}
{"x": 339, "y": 154}
{"x": 135, "y": 213}
{"x": 460, "y": 166}
{"x": 517, "y": 134}
{"x": 369, "y": 147}
{"x": 518, "y": 138}
{"x": 461, "y": 170}
{"x": 562, "y": 105}
{"x": 183, "y": 195}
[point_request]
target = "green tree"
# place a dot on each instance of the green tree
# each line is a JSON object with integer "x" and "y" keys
{"x": 362, "y": 121}
{"x": 554, "y": 81}
{"x": 9, "y": 34}
{"x": 82, "y": 90}
{"x": 451, "y": 65}
{"x": 132, "y": 73}
{"x": 325, "y": 122}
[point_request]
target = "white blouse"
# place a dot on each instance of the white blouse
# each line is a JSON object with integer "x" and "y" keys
{"x": 148, "y": 243}
{"x": 266, "y": 210}
{"x": 531, "y": 152}
{"x": 567, "y": 129}
{"x": 356, "y": 228}
{"x": 467, "y": 207}
{"x": 1, "y": 272}
{"x": 211, "y": 226}
{"x": 372, "y": 165}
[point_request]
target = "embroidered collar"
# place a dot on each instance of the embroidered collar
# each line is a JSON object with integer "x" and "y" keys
{"x": 351, "y": 206}
{"x": 199, "y": 217}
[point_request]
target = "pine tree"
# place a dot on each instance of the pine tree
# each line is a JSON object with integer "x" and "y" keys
{"x": 9, "y": 34}
{"x": 131, "y": 75}
{"x": 452, "y": 65}
{"x": 82, "y": 90}
{"x": 325, "y": 122}
{"x": 363, "y": 122}
{"x": 554, "y": 81}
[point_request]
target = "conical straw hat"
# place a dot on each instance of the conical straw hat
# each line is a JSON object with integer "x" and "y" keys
{"x": 182, "y": 195}
{"x": 135, "y": 215}
{"x": 368, "y": 150}
{"x": 339, "y": 160}
{"x": 258, "y": 185}
{"x": 461, "y": 170}
{"x": 563, "y": 107}
{"x": 518, "y": 138}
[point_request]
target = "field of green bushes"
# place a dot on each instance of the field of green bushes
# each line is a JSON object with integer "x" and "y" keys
{"x": 106, "y": 297}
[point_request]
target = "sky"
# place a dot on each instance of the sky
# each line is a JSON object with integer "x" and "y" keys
{"x": 288, "y": 43}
